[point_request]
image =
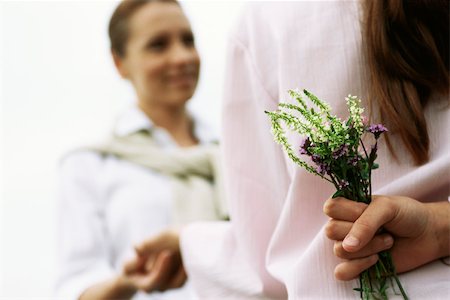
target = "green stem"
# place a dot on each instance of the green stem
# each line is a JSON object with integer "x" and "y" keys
{"x": 394, "y": 274}
{"x": 405, "y": 297}
{"x": 364, "y": 148}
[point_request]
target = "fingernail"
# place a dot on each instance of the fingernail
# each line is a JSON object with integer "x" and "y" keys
{"x": 351, "y": 241}
{"x": 388, "y": 241}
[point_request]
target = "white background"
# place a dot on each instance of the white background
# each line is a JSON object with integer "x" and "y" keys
{"x": 59, "y": 89}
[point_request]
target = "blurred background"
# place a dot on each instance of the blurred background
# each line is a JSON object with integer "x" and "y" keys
{"x": 58, "y": 90}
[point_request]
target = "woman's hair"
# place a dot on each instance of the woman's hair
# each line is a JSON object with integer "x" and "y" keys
{"x": 118, "y": 30}
{"x": 407, "y": 50}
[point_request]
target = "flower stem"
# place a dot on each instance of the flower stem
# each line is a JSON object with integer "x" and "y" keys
{"x": 364, "y": 148}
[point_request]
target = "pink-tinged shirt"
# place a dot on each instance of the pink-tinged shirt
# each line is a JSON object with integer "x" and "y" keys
{"x": 275, "y": 246}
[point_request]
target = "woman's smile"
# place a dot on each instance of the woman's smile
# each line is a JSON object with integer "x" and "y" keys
{"x": 182, "y": 80}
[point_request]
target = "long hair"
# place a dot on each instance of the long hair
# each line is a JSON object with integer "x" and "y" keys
{"x": 407, "y": 50}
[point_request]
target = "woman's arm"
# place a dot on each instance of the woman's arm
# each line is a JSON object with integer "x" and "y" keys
{"x": 417, "y": 232}
{"x": 118, "y": 287}
{"x": 156, "y": 267}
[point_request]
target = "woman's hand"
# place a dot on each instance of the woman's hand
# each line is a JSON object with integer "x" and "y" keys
{"x": 157, "y": 265}
{"x": 416, "y": 233}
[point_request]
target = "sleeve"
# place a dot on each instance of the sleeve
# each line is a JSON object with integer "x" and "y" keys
{"x": 228, "y": 259}
{"x": 83, "y": 252}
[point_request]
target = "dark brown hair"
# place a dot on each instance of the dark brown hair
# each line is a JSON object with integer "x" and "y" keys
{"x": 118, "y": 30}
{"x": 407, "y": 49}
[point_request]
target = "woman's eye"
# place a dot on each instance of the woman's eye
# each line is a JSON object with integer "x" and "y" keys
{"x": 188, "y": 39}
{"x": 157, "y": 45}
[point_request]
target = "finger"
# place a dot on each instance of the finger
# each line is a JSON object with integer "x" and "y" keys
{"x": 171, "y": 271}
{"x": 376, "y": 245}
{"x": 139, "y": 252}
{"x": 177, "y": 280}
{"x": 337, "y": 230}
{"x": 351, "y": 269}
{"x": 150, "y": 263}
{"x": 133, "y": 265}
{"x": 379, "y": 212}
{"x": 343, "y": 209}
{"x": 159, "y": 274}
{"x": 166, "y": 240}
{"x": 148, "y": 246}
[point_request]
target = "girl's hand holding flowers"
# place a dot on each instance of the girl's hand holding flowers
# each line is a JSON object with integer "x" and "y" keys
{"x": 334, "y": 150}
{"x": 417, "y": 233}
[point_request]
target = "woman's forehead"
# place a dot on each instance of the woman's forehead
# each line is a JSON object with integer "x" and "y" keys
{"x": 158, "y": 16}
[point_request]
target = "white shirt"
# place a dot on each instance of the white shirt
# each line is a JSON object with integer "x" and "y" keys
{"x": 107, "y": 205}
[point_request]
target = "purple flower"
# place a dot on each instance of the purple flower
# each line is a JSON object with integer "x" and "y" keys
{"x": 343, "y": 184}
{"x": 354, "y": 160}
{"x": 341, "y": 151}
{"x": 323, "y": 168}
{"x": 304, "y": 145}
{"x": 316, "y": 158}
{"x": 377, "y": 129}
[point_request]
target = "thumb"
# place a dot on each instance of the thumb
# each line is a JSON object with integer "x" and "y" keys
{"x": 147, "y": 246}
{"x": 379, "y": 212}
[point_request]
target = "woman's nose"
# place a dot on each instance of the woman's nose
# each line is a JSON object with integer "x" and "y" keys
{"x": 183, "y": 54}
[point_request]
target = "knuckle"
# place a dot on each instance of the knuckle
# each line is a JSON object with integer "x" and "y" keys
{"x": 364, "y": 227}
{"x": 360, "y": 207}
{"x": 331, "y": 229}
{"x": 340, "y": 273}
{"x": 379, "y": 198}
{"x": 383, "y": 200}
{"x": 335, "y": 250}
{"x": 383, "y": 242}
{"x": 338, "y": 250}
{"x": 329, "y": 206}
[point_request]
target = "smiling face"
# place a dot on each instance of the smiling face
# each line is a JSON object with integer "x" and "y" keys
{"x": 160, "y": 57}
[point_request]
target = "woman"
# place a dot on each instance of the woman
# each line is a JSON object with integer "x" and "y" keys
{"x": 158, "y": 169}
{"x": 280, "y": 243}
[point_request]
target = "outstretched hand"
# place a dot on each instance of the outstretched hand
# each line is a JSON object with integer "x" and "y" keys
{"x": 157, "y": 265}
{"x": 416, "y": 233}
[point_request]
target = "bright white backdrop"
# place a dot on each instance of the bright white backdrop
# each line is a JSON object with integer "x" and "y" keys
{"x": 58, "y": 89}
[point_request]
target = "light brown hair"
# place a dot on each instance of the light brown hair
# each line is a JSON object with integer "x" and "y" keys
{"x": 118, "y": 29}
{"x": 407, "y": 49}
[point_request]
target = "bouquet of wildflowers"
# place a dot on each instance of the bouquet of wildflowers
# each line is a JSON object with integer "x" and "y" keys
{"x": 334, "y": 150}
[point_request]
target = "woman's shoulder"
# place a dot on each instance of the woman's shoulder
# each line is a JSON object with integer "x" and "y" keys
{"x": 81, "y": 160}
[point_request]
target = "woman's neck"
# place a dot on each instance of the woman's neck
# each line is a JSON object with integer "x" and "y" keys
{"x": 173, "y": 119}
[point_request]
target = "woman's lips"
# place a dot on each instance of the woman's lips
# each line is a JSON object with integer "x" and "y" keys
{"x": 182, "y": 80}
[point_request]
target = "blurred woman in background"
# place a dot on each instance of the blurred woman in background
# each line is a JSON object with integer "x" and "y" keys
{"x": 159, "y": 169}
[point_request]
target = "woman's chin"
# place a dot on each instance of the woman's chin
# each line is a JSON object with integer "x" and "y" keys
{"x": 182, "y": 95}
{"x": 179, "y": 99}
